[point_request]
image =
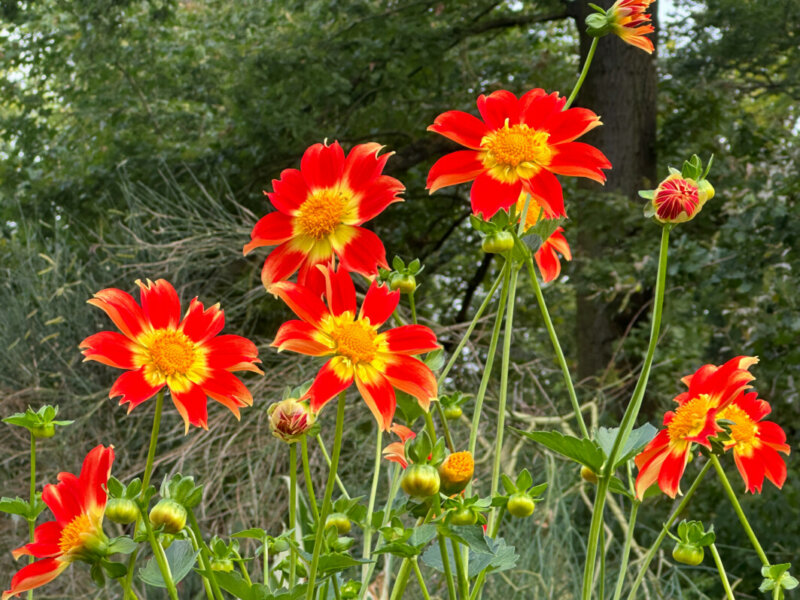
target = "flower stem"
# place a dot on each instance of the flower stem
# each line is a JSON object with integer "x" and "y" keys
{"x": 562, "y": 361}
{"x": 161, "y": 559}
{"x": 292, "y": 518}
{"x": 672, "y": 518}
{"x": 151, "y": 451}
{"x": 586, "y": 64}
{"x": 501, "y": 408}
{"x": 205, "y": 553}
{"x": 470, "y": 328}
{"x": 629, "y": 418}
{"x": 203, "y": 565}
{"x": 423, "y": 587}
{"x": 31, "y": 519}
{"x": 312, "y": 497}
{"x": 326, "y": 501}
{"x": 722, "y": 575}
{"x": 371, "y": 503}
{"x": 626, "y": 551}
{"x": 413, "y": 306}
{"x": 448, "y": 572}
{"x": 739, "y": 512}
{"x": 461, "y": 570}
{"x": 328, "y": 460}
{"x": 487, "y": 368}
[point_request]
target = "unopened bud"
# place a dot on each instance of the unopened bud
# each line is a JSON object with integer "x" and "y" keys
{"x": 290, "y": 419}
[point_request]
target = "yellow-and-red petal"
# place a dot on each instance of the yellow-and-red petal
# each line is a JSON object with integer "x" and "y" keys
{"x": 270, "y": 230}
{"x": 547, "y": 190}
{"x": 488, "y": 195}
{"x": 35, "y": 575}
{"x": 411, "y": 339}
{"x": 454, "y": 168}
{"x": 160, "y": 303}
{"x": 300, "y": 337}
{"x": 192, "y": 405}
{"x": 285, "y": 260}
{"x": 460, "y": 127}
{"x": 378, "y": 393}
{"x": 379, "y": 304}
{"x": 133, "y": 388}
{"x": 361, "y": 251}
{"x": 110, "y": 348}
{"x": 290, "y": 191}
{"x": 333, "y": 377}
{"x": 577, "y": 159}
{"x": 411, "y": 376}
{"x": 322, "y": 165}
{"x": 123, "y": 310}
{"x": 301, "y": 301}
{"x": 232, "y": 353}
{"x": 200, "y": 323}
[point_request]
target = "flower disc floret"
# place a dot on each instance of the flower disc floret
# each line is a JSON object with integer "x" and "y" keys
{"x": 515, "y": 152}
{"x": 322, "y": 212}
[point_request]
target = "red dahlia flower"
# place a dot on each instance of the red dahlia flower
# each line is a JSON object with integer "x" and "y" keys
{"x": 396, "y": 451}
{"x": 711, "y": 389}
{"x": 517, "y": 148}
{"x": 377, "y": 362}
{"x": 319, "y": 210}
{"x": 629, "y": 21}
{"x": 78, "y": 504}
{"x": 755, "y": 443}
{"x": 158, "y": 349}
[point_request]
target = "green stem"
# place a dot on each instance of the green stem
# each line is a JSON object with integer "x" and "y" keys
{"x": 325, "y": 454}
{"x": 205, "y": 553}
{"x": 413, "y": 306}
{"x": 586, "y": 64}
{"x": 476, "y": 589}
{"x": 457, "y": 352}
{"x": 312, "y": 497}
{"x": 501, "y": 408}
{"x": 562, "y": 361}
{"x": 161, "y": 560}
{"x": 402, "y": 579}
{"x": 243, "y": 568}
{"x": 371, "y": 503}
{"x": 423, "y": 587}
{"x": 203, "y": 564}
{"x": 601, "y": 584}
{"x": 665, "y": 529}
{"x": 487, "y": 368}
{"x": 626, "y": 551}
{"x": 326, "y": 501}
{"x": 629, "y": 418}
{"x": 461, "y": 571}
{"x": 739, "y": 512}
{"x": 445, "y": 427}
{"x": 722, "y": 575}
{"x": 448, "y": 572}
{"x": 32, "y": 521}
{"x": 292, "y": 519}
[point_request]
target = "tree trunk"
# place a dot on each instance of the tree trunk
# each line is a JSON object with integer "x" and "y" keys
{"x": 621, "y": 88}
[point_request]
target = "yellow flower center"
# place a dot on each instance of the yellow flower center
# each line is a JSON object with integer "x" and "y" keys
{"x": 72, "y": 535}
{"x": 322, "y": 212}
{"x": 459, "y": 466}
{"x": 744, "y": 429}
{"x": 690, "y": 418}
{"x": 171, "y": 352}
{"x": 356, "y": 341}
{"x": 516, "y": 151}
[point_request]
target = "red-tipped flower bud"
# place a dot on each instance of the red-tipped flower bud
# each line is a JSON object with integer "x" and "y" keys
{"x": 290, "y": 419}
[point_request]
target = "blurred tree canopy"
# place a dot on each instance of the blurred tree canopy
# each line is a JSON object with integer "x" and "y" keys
{"x": 140, "y": 134}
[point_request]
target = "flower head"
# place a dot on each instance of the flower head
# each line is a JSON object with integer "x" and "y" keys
{"x": 629, "y": 21}
{"x": 320, "y": 208}
{"x": 518, "y": 146}
{"x": 456, "y": 472}
{"x": 678, "y": 199}
{"x": 711, "y": 389}
{"x": 290, "y": 419}
{"x": 78, "y": 504}
{"x": 159, "y": 349}
{"x": 377, "y": 362}
{"x": 396, "y": 451}
{"x": 755, "y": 442}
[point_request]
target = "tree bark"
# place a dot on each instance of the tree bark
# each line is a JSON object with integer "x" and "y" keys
{"x": 621, "y": 88}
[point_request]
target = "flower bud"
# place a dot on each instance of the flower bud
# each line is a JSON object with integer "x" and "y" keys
{"x": 678, "y": 199}
{"x": 340, "y": 521}
{"x": 122, "y": 510}
{"x": 170, "y": 514}
{"x": 224, "y": 565}
{"x": 420, "y": 481}
{"x": 290, "y": 419}
{"x": 588, "y": 475}
{"x": 521, "y": 505}
{"x": 598, "y": 25}
{"x": 43, "y": 430}
{"x": 456, "y": 472}
{"x": 406, "y": 283}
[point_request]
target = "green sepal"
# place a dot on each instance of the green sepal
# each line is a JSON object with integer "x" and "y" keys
{"x": 777, "y": 576}
{"x": 37, "y": 421}
{"x": 114, "y": 570}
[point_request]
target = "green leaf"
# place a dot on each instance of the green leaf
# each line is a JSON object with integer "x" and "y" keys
{"x": 508, "y": 484}
{"x": 114, "y": 570}
{"x": 584, "y": 451}
{"x": 398, "y": 264}
{"x": 254, "y": 534}
{"x": 648, "y": 194}
{"x": 422, "y": 534}
{"x": 115, "y": 487}
{"x": 435, "y": 360}
{"x": 121, "y": 545}
{"x": 616, "y": 486}
{"x": 637, "y": 440}
{"x": 409, "y": 407}
{"x": 181, "y": 558}
{"x": 337, "y": 561}
{"x": 16, "y": 506}
{"x": 469, "y": 535}
{"x": 524, "y": 480}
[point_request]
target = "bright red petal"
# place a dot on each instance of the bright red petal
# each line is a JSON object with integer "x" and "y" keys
{"x": 334, "y": 377}
{"x": 497, "y": 107}
{"x": 340, "y": 291}
{"x": 568, "y": 125}
{"x": 460, "y": 127}
{"x": 160, "y": 304}
{"x": 379, "y": 194}
{"x": 94, "y": 476}
{"x": 122, "y": 309}
{"x": 363, "y": 252}
{"x": 290, "y": 192}
{"x": 110, "y": 348}
{"x": 548, "y": 263}
{"x": 232, "y": 353}
{"x": 579, "y": 160}
{"x": 322, "y": 165}
{"x": 378, "y": 393}
{"x": 282, "y": 262}
{"x": 300, "y": 337}
{"x": 411, "y": 339}
{"x": 411, "y": 376}
{"x": 274, "y": 228}
{"x": 46, "y": 542}
{"x": 669, "y": 477}
{"x": 538, "y": 108}
{"x": 302, "y": 301}
{"x": 35, "y": 575}
{"x": 488, "y": 195}
{"x": 192, "y": 405}
{"x": 133, "y": 388}
{"x": 454, "y": 168}
{"x": 379, "y": 304}
{"x": 547, "y": 190}
{"x": 227, "y": 389}
{"x": 202, "y": 324}
{"x": 363, "y": 164}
